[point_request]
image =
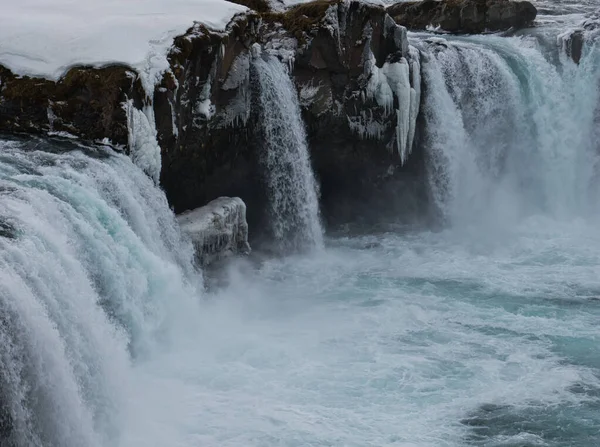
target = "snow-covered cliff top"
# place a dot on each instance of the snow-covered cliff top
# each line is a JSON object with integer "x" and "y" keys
{"x": 45, "y": 38}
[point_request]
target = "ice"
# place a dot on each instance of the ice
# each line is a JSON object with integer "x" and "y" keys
{"x": 217, "y": 229}
{"x": 401, "y": 80}
{"x": 143, "y": 145}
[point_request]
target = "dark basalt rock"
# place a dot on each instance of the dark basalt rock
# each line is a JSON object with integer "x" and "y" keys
{"x": 205, "y": 119}
{"x": 7, "y": 230}
{"x": 362, "y": 177}
{"x": 87, "y": 102}
{"x": 207, "y": 155}
{"x": 466, "y": 16}
{"x": 204, "y": 122}
{"x": 574, "y": 45}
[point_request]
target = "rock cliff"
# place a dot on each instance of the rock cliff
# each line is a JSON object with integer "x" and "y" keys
{"x": 217, "y": 230}
{"x": 86, "y": 102}
{"x": 469, "y": 16}
{"x": 359, "y": 87}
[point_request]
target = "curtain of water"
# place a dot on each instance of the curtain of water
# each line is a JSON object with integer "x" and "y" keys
{"x": 510, "y": 130}
{"x": 292, "y": 190}
{"x": 93, "y": 271}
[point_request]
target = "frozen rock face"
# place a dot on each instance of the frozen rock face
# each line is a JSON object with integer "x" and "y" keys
{"x": 573, "y": 40}
{"x": 203, "y": 119}
{"x": 469, "y": 16}
{"x": 359, "y": 90}
{"x": 358, "y": 85}
{"x": 217, "y": 230}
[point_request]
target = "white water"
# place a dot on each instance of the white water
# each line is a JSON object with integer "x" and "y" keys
{"x": 293, "y": 193}
{"x": 483, "y": 334}
{"x": 510, "y": 134}
{"x": 93, "y": 273}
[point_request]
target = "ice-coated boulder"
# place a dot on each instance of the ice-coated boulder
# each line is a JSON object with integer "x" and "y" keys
{"x": 217, "y": 230}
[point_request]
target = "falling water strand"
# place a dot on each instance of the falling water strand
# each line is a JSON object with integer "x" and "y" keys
{"x": 93, "y": 271}
{"x": 509, "y": 133}
{"x": 292, "y": 190}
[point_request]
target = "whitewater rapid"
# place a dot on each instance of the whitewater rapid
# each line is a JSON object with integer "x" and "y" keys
{"x": 416, "y": 339}
{"x": 93, "y": 275}
{"x": 483, "y": 333}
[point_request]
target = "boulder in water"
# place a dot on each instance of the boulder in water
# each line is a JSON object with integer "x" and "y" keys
{"x": 468, "y": 16}
{"x": 218, "y": 229}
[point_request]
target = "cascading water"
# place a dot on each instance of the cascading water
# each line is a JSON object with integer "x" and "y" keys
{"x": 508, "y": 132}
{"x": 92, "y": 271}
{"x": 292, "y": 190}
{"x": 398, "y": 339}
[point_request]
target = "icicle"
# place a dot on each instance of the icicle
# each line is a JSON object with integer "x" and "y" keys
{"x": 143, "y": 145}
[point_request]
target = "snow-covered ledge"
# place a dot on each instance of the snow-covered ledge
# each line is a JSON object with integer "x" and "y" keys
{"x": 218, "y": 229}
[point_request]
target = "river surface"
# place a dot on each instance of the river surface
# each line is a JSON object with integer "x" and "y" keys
{"x": 483, "y": 332}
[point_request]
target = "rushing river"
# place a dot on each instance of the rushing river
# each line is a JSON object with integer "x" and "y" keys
{"x": 483, "y": 332}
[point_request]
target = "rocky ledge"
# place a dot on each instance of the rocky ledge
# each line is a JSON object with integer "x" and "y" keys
{"x": 86, "y": 103}
{"x": 217, "y": 230}
{"x": 358, "y": 84}
{"x": 466, "y": 16}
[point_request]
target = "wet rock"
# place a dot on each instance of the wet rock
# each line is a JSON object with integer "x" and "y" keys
{"x": 207, "y": 128}
{"x": 218, "y": 229}
{"x": 574, "y": 45}
{"x": 86, "y": 102}
{"x": 341, "y": 55}
{"x": 464, "y": 16}
{"x": 341, "y": 65}
{"x": 7, "y": 230}
{"x": 204, "y": 121}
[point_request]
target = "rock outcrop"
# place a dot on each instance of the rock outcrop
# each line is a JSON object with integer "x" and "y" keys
{"x": 217, "y": 230}
{"x": 574, "y": 40}
{"x": 464, "y": 16}
{"x": 86, "y": 102}
{"x": 359, "y": 88}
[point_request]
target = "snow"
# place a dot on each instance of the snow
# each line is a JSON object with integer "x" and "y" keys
{"x": 283, "y": 4}
{"x": 44, "y": 38}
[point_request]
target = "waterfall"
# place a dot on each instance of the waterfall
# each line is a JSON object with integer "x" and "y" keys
{"x": 510, "y": 128}
{"x": 93, "y": 271}
{"x": 292, "y": 190}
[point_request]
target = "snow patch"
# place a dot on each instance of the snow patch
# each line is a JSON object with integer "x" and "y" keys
{"x": 45, "y": 38}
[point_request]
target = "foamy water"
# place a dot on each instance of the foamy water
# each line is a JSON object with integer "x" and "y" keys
{"x": 424, "y": 339}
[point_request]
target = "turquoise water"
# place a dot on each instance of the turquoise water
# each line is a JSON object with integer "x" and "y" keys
{"x": 421, "y": 339}
{"x": 484, "y": 333}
